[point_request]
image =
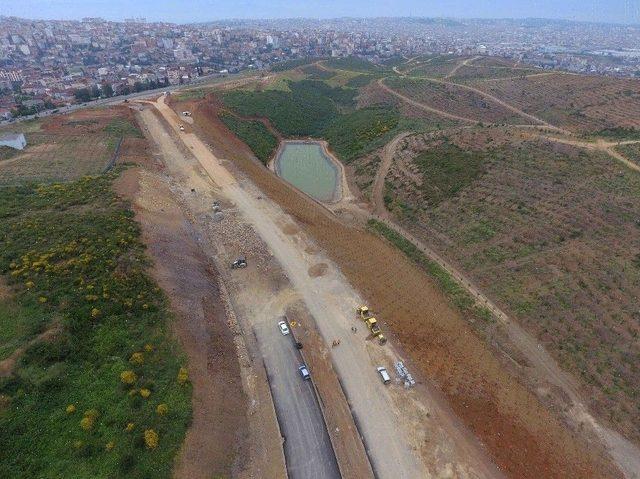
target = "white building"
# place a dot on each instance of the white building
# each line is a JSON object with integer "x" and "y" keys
{"x": 13, "y": 140}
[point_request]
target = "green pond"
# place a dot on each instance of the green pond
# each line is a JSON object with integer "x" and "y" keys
{"x": 306, "y": 166}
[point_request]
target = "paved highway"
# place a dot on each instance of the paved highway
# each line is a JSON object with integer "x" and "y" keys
{"x": 308, "y": 451}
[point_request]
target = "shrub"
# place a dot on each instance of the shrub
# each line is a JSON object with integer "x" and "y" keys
{"x": 151, "y": 438}
{"x": 128, "y": 377}
{"x": 183, "y": 376}
{"x": 70, "y": 409}
{"x": 87, "y": 423}
{"x": 137, "y": 358}
{"x": 162, "y": 409}
{"x": 145, "y": 393}
{"x": 256, "y": 136}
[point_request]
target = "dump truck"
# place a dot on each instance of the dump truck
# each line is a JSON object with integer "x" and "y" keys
{"x": 372, "y": 323}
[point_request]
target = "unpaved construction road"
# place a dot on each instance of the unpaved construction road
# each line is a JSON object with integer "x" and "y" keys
{"x": 332, "y": 302}
{"x": 307, "y": 448}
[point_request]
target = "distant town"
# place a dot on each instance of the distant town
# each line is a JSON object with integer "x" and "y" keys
{"x": 46, "y": 64}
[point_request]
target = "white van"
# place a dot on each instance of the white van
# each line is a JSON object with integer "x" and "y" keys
{"x": 386, "y": 379}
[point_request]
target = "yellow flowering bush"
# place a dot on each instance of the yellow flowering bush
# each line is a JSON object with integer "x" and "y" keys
{"x": 42, "y": 299}
{"x": 130, "y": 426}
{"x": 183, "y": 376}
{"x": 70, "y": 409}
{"x": 110, "y": 445}
{"x": 128, "y": 377}
{"x": 87, "y": 423}
{"x": 29, "y": 284}
{"x": 148, "y": 347}
{"x": 92, "y": 413}
{"x": 162, "y": 409}
{"x": 145, "y": 393}
{"x": 136, "y": 358}
{"x": 95, "y": 312}
{"x": 151, "y": 438}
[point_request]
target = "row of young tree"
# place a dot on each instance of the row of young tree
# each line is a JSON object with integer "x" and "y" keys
{"x": 106, "y": 90}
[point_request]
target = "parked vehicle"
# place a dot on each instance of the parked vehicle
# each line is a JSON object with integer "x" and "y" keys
{"x": 240, "y": 263}
{"x": 304, "y": 372}
{"x": 284, "y": 329}
{"x": 386, "y": 379}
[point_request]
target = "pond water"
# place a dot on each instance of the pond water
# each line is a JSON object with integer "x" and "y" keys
{"x": 306, "y": 166}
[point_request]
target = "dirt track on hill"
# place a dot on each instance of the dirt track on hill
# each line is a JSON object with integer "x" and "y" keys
{"x": 461, "y": 64}
{"x": 377, "y": 192}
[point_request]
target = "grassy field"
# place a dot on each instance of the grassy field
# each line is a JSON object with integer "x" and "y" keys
{"x": 291, "y": 64}
{"x": 354, "y": 134}
{"x": 313, "y": 108}
{"x": 314, "y": 72}
{"x": 305, "y": 110}
{"x": 67, "y": 148}
{"x": 102, "y": 396}
{"x": 547, "y": 230}
{"x": 433, "y": 66}
{"x": 631, "y": 151}
{"x": 356, "y": 65}
{"x": 448, "y": 169}
{"x": 473, "y": 73}
{"x": 254, "y": 134}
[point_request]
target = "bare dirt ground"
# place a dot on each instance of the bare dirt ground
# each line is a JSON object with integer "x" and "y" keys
{"x": 5, "y": 290}
{"x": 524, "y": 438}
{"x": 233, "y": 431}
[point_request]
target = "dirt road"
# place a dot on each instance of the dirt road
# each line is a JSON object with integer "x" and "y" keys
{"x": 424, "y": 107}
{"x": 331, "y": 301}
{"x": 377, "y": 193}
{"x": 463, "y": 63}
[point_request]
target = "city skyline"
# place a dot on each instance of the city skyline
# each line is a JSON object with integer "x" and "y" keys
{"x": 194, "y": 11}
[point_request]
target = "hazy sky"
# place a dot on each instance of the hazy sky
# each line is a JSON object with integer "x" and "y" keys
{"x": 617, "y": 11}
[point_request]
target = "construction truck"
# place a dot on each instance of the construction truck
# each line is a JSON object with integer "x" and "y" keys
{"x": 372, "y": 323}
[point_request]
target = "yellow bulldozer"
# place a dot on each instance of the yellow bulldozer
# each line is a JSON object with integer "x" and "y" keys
{"x": 372, "y": 323}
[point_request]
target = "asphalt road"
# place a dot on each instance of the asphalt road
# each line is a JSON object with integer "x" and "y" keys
{"x": 121, "y": 98}
{"x": 308, "y": 451}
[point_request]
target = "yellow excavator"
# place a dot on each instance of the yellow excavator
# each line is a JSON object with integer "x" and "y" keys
{"x": 372, "y": 323}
